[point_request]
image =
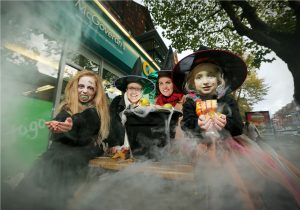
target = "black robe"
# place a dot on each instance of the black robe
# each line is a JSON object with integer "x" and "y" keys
{"x": 117, "y": 130}
{"x": 145, "y": 134}
{"x": 227, "y": 106}
{"x": 59, "y": 172}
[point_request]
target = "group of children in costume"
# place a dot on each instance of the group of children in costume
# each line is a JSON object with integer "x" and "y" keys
{"x": 199, "y": 85}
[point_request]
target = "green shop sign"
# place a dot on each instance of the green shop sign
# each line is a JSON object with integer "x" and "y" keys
{"x": 106, "y": 38}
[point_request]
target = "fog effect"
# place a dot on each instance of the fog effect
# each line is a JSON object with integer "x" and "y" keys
{"x": 228, "y": 181}
{"x": 30, "y": 54}
{"x": 228, "y": 177}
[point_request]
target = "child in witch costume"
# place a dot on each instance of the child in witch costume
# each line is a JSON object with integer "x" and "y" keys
{"x": 211, "y": 76}
{"x": 77, "y": 132}
{"x": 213, "y": 124}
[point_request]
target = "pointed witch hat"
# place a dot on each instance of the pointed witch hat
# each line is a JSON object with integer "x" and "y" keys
{"x": 166, "y": 71}
{"x": 168, "y": 65}
{"x": 233, "y": 67}
{"x": 135, "y": 76}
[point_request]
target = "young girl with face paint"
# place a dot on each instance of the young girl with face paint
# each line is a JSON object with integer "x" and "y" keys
{"x": 210, "y": 114}
{"x": 80, "y": 126}
{"x": 214, "y": 130}
{"x": 201, "y": 84}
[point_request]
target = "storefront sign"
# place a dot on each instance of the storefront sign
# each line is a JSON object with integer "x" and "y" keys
{"x": 98, "y": 29}
{"x": 100, "y": 25}
{"x": 261, "y": 118}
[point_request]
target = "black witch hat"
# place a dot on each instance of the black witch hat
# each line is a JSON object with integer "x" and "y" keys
{"x": 233, "y": 67}
{"x": 168, "y": 65}
{"x": 122, "y": 82}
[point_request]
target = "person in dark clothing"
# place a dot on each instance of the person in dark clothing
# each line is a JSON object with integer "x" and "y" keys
{"x": 167, "y": 94}
{"x": 77, "y": 133}
{"x": 251, "y": 131}
{"x": 166, "y": 91}
{"x": 130, "y": 97}
{"x": 210, "y": 79}
{"x": 133, "y": 87}
{"x": 214, "y": 128}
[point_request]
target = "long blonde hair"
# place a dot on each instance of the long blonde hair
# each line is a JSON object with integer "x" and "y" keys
{"x": 190, "y": 79}
{"x": 71, "y": 104}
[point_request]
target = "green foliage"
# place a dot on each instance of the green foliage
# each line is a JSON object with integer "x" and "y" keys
{"x": 191, "y": 23}
{"x": 252, "y": 91}
{"x": 250, "y": 28}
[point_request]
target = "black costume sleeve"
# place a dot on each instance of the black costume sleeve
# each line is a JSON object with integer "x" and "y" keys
{"x": 117, "y": 130}
{"x": 85, "y": 126}
{"x": 228, "y": 107}
{"x": 234, "y": 121}
{"x": 189, "y": 122}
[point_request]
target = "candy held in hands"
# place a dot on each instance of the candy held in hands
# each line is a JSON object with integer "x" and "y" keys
{"x": 207, "y": 107}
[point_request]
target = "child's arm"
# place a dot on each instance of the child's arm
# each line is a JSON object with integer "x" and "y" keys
{"x": 189, "y": 122}
{"x": 234, "y": 121}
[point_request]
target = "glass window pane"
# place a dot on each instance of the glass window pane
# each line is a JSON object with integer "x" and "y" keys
{"x": 74, "y": 57}
{"x": 108, "y": 82}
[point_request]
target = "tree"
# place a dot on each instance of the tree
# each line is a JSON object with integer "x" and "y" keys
{"x": 252, "y": 91}
{"x": 254, "y": 27}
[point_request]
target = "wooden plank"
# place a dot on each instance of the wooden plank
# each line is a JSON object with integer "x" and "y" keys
{"x": 168, "y": 171}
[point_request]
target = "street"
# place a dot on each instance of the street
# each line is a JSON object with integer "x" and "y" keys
{"x": 286, "y": 145}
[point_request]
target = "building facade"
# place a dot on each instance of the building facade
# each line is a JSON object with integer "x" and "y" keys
{"x": 287, "y": 118}
{"x": 137, "y": 21}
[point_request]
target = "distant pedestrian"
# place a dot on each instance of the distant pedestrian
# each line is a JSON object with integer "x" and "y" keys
{"x": 251, "y": 131}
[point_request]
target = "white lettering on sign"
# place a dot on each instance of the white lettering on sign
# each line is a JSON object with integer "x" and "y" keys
{"x": 32, "y": 130}
{"x": 96, "y": 21}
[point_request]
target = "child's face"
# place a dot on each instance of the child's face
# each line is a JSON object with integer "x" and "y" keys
{"x": 86, "y": 89}
{"x": 205, "y": 79}
{"x": 165, "y": 86}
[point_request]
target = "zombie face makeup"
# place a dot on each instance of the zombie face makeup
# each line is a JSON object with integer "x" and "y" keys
{"x": 206, "y": 78}
{"x": 86, "y": 89}
{"x": 165, "y": 86}
{"x": 134, "y": 92}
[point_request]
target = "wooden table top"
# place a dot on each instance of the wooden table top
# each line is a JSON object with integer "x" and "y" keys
{"x": 175, "y": 171}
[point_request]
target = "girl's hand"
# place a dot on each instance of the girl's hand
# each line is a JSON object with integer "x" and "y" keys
{"x": 52, "y": 125}
{"x": 60, "y": 127}
{"x": 219, "y": 121}
{"x": 205, "y": 122}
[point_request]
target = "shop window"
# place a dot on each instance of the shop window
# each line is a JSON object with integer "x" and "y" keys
{"x": 30, "y": 55}
{"x": 108, "y": 83}
{"x": 31, "y": 65}
{"x": 74, "y": 57}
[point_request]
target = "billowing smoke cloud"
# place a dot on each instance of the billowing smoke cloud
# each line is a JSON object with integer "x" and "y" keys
{"x": 33, "y": 34}
{"x": 220, "y": 179}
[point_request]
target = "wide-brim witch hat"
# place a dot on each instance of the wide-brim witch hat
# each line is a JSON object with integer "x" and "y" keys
{"x": 135, "y": 76}
{"x": 233, "y": 67}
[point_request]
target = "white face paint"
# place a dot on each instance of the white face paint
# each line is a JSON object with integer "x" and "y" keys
{"x": 86, "y": 89}
{"x": 134, "y": 92}
{"x": 205, "y": 80}
{"x": 165, "y": 86}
